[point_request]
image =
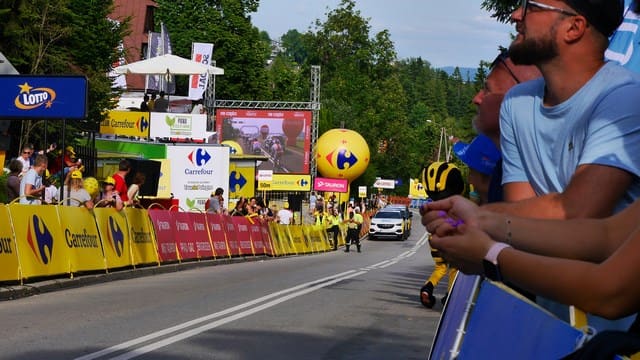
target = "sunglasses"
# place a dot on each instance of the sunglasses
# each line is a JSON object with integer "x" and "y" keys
{"x": 27, "y": 152}
{"x": 502, "y": 59}
{"x": 526, "y": 4}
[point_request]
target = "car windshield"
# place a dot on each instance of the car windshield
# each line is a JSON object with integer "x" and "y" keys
{"x": 388, "y": 215}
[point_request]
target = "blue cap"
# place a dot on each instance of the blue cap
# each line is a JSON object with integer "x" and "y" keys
{"x": 480, "y": 155}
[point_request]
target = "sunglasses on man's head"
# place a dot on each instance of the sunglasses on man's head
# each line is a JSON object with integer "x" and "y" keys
{"x": 526, "y": 4}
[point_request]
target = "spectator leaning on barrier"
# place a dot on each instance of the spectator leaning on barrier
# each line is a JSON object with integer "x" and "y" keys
{"x": 215, "y": 202}
{"x": 74, "y": 194}
{"x": 119, "y": 177}
{"x": 31, "y": 187}
{"x": 109, "y": 197}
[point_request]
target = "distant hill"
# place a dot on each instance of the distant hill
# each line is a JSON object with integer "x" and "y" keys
{"x": 464, "y": 71}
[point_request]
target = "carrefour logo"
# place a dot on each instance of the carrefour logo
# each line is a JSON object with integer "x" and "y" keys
{"x": 30, "y": 98}
{"x": 142, "y": 124}
{"x": 116, "y": 237}
{"x": 40, "y": 239}
{"x": 340, "y": 158}
{"x": 302, "y": 182}
{"x": 199, "y": 157}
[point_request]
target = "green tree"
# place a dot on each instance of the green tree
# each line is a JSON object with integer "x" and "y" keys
{"x": 239, "y": 47}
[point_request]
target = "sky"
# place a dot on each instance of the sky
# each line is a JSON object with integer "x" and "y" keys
{"x": 442, "y": 32}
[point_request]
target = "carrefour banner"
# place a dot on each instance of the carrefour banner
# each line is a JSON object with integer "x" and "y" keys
{"x": 416, "y": 190}
{"x": 286, "y": 182}
{"x": 126, "y": 123}
{"x": 41, "y": 246}
{"x": 196, "y": 171}
{"x": 9, "y": 265}
{"x": 114, "y": 231}
{"x": 82, "y": 238}
{"x": 174, "y": 125}
{"x": 43, "y": 97}
{"x": 242, "y": 179}
{"x": 143, "y": 247}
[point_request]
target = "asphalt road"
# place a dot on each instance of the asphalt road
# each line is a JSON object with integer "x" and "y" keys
{"x": 327, "y": 306}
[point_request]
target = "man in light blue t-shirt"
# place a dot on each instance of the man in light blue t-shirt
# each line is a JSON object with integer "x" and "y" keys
{"x": 31, "y": 187}
{"x": 570, "y": 140}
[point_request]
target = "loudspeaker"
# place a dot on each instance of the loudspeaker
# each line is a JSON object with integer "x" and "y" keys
{"x": 151, "y": 171}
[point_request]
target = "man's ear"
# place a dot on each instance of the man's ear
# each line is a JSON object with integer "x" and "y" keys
{"x": 576, "y": 29}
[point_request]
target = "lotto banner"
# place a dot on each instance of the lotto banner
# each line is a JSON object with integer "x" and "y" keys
{"x": 114, "y": 232}
{"x": 216, "y": 233}
{"x": 126, "y": 123}
{"x": 82, "y": 238}
{"x": 256, "y": 237}
{"x": 9, "y": 265}
{"x": 143, "y": 248}
{"x": 164, "y": 227}
{"x": 39, "y": 241}
{"x": 184, "y": 236}
{"x": 242, "y": 234}
{"x": 201, "y": 235}
{"x": 230, "y": 233}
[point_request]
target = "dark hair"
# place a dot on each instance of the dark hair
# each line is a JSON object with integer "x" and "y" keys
{"x": 15, "y": 166}
{"x": 124, "y": 165}
{"x": 139, "y": 178}
{"x": 219, "y": 191}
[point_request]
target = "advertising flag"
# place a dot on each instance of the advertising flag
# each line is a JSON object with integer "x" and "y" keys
{"x": 200, "y": 52}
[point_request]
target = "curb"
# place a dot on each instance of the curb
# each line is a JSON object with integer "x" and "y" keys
{"x": 12, "y": 292}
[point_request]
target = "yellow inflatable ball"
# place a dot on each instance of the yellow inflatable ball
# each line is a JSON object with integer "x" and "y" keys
{"x": 342, "y": 154}
{"x": 235, "y": 148}
{"x": 92, "y": 186}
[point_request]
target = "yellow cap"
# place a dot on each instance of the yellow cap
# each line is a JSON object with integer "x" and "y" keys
{"x": 70, "y": 149}
{"x": 109, "y": 180}
{"x": 76, "y": 174}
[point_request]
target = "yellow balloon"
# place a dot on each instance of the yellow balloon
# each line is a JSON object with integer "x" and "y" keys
{"x": 236, "y": 149}
{"x": 91, "y": 185}
{"x": 342, "y": 154}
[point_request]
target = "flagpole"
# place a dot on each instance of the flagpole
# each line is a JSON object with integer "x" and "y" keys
{"x": 146, "y": 77}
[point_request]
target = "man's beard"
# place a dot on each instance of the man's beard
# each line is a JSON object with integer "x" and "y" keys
{"x": 534, "y": 51}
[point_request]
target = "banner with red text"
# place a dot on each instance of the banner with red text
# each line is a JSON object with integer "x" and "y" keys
{"x": 200, "y": 52}
{"x": 164, "y": 226}
{"x": 217, "y": 235}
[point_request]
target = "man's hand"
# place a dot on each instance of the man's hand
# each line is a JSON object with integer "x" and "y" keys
{"x": 442, "y": 217}
{"x": 465, "y": 249}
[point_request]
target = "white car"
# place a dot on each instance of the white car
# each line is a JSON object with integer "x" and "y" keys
{"x": 387, "y": 224}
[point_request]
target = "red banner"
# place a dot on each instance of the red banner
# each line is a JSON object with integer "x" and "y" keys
{"x": 185, "y": 236}
{"x": 266, "y": 239}
{"x": 203, "y": 243}
{"x": 242, "y": 234}
{"x": 216, "y": 232}
{"x": 230, "y": 233}
{"x": 164, "y": 226}
{"x": 256, "y": 237}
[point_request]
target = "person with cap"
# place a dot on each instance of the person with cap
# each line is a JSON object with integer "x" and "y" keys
{"x": 109, "y": 197}
{"x": 74, "y": 193}
{"x": 51, "y": 190}
{"x": 354, "y": 222}
{"x": 481, "y": 156}
{"x": 572, "y": 132}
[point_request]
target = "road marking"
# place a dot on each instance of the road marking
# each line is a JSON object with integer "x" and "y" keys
{"x": 287, "y": 294}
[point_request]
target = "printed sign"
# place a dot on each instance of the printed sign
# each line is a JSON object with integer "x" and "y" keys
{"x": 286, "y": 182}
{"x": 334, "y": 185}
{"x": 126, "y": 123}
{"x": 174, "y": 125}
{"x": 43, "y": 97}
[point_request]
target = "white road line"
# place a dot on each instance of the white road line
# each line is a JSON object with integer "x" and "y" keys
{"x": 187, "y": 324}
{"x": 292, "y": 292}
{"x": 187, "y": 334}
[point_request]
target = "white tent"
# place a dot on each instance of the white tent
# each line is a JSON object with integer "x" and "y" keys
{"x": 168, "y": 64}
